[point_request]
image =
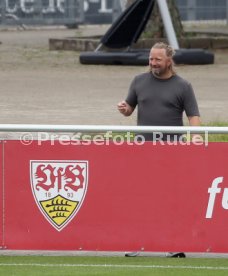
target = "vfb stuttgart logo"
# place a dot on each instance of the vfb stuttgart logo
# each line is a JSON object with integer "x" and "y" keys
{"x": 59, "y": 188}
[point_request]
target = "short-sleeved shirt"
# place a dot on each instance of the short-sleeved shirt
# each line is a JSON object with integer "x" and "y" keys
{"x": 161, "y": 102}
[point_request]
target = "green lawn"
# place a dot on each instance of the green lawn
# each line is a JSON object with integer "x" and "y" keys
{"x": 37, "y": 265}
{"x": 218, "y": 137}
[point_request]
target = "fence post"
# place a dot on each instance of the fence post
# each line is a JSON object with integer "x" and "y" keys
{"x": 76, "y": 10}
{"x": 116, "y": 9}
{"x": 38, "y": 10}
{"x": 3, "y": 11}
{"x": 191, "y": 10}
{"x": 227, "y": 12}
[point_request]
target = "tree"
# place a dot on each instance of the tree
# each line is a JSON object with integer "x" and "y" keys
{"x": 155, "y": 27}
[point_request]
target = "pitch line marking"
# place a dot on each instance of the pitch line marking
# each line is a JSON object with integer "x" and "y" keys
{"x": 118, "y": 266}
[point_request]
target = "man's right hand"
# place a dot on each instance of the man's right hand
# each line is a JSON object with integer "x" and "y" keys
{"x": 124, "y": 108}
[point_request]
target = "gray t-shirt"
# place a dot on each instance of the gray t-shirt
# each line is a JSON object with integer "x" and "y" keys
{"x": 161, "y": 102}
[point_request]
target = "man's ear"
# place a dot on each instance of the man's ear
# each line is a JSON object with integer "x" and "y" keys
{"x": 169, "y": 61}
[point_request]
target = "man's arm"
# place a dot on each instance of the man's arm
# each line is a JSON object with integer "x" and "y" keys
{"x": 125, "y": 109}
{"x": 194, "y": 121}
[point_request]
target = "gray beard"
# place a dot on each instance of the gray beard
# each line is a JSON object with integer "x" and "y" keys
{"x": 156, "y": 71}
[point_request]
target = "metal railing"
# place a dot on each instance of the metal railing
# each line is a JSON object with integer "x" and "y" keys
{"x": 114, "y": 128}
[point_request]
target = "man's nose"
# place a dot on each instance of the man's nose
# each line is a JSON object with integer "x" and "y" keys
{"x": 153, "y": 62}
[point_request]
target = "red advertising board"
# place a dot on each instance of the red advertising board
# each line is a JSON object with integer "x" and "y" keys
{"x": 1, "y": 196}
{"x": 120, "y": 198}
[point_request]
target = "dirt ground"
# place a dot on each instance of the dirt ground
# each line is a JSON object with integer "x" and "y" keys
{"x": 39, "y": 86}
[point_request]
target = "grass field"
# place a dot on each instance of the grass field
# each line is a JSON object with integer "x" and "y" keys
{"x": 218, "y": 137}
{"x": 57, "y": 265}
